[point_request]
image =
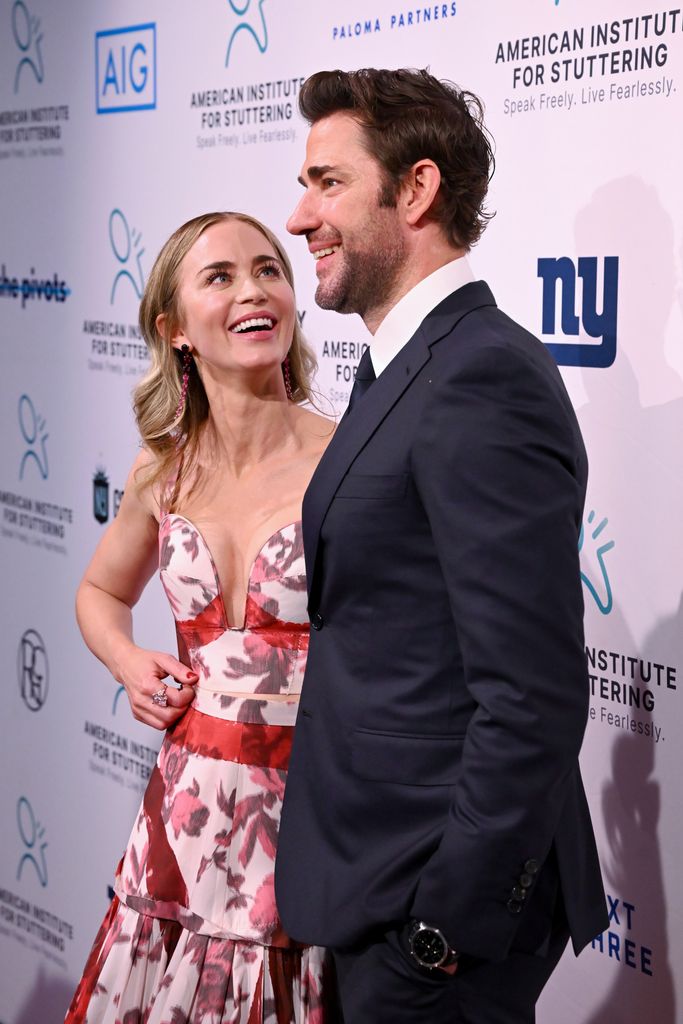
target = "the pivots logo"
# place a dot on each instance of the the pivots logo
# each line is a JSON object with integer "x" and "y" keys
{"x": 28, "y": 37}
{"x": 32, "y": 834}
{"x": 33, "y": 287}
{"x": 252, "y": 21}
{"x": 595, "y": 576}
{"x": 601, "y": 325}
{"x": 32, "y": 669}
{"x": 127, "y": 248}
{"x": 126, "y": 69}
{"x": 100, "y": 496}
{"x": 33, "y": 431}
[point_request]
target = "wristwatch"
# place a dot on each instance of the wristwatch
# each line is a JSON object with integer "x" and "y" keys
{"x": 429, "y": 946}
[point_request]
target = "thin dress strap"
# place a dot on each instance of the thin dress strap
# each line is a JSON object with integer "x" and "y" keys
{"x": 169, "y": 491}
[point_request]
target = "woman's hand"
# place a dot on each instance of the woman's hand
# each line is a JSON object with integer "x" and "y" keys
{"x": 142, "y": 673}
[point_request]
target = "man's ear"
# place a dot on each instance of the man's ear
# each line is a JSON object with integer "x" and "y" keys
{"x": 178, "y": 337}
{"x": 419, "y": 190}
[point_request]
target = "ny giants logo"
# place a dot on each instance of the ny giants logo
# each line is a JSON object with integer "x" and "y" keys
{"x": 602, "y": 325}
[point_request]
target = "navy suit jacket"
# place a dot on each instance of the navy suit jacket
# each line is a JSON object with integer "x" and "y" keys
{"x": 434, "y": 772}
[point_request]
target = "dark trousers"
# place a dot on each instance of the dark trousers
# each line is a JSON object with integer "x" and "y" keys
{"x": 382, "y": 984}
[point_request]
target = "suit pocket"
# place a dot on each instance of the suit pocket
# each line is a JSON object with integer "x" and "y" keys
{"x": 362, "y": 485}
{"x": 431, "y": 760}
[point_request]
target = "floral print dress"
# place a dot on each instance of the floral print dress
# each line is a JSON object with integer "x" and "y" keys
{"x": 192, "y": 935}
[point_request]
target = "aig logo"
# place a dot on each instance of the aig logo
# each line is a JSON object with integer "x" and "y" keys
{"x": 126, "y": 69}
{"x": 600, "y": 325}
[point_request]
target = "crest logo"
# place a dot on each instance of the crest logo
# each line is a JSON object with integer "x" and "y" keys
{"x": 100, "y": 496}
{"x": 596, "y": 325}
{"x": 121, "y": 689}
{"x": 32, "y": 670}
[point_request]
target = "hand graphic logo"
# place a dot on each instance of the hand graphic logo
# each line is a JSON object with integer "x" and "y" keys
{"x": 31, "y": 832}
{"x": 27, "y": 34}
{"x": 126, "y": 242}
{"x": 258, "y": 30}
{"x": 31, "y": 425}
{"x": 601, "y": 594}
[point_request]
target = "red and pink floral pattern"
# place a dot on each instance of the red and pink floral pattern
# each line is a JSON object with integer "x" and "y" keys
{"x": 193, "y": 935}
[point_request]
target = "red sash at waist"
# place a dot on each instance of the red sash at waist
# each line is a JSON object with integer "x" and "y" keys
{"x": 264, "y": 746}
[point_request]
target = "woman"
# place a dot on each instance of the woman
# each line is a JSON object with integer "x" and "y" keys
{"x": 214, "y": 498}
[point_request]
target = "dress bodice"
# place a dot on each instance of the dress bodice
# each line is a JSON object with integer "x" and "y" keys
{"x": 265, "y": 655}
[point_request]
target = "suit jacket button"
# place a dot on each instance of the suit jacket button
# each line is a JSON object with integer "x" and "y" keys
{"x": 531, "y": 867}
{"x": 514, "y": 906}
{"x": 317, "y": 621}
{"x": 518, "y": 893}
{"x": 525, "y": 881}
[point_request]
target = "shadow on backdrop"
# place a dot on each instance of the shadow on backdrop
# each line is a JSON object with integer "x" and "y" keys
{"x": 48, "y": 1000}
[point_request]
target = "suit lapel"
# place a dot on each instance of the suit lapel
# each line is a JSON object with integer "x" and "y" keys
{"x": 357, "y": 428}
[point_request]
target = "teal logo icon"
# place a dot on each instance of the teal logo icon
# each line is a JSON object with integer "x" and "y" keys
{"x": 595, "y": 547}
{"x": 252, "y": 21}
{"x": 33, "y": 670}
{"x": 126, "y": 244}
{"x": 28, "y": 37}
{"x": 32, "y": 833}
{"x": 35, "y": 435}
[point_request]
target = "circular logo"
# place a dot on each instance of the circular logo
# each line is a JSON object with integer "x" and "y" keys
{"x": 33, "y": 670}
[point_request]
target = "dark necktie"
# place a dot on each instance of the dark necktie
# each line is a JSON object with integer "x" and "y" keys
{"x": 365, "y": 375}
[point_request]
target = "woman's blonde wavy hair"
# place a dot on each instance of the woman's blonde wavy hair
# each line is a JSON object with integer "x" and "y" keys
{"x": 173, "y": 439}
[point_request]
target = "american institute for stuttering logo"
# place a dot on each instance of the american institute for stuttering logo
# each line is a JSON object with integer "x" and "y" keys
{"x": 34, "y": 432}
{"x": 33, "y": 670}
{"x": 252, "y": 21}
{"x": 34, "y": 844}
{"x": 594, "y": 544}
{"x": 126, "y": 69}
{"x": 599, "y": 325}
{"x": 126, "y": 244}
{"x": 28, "y": 37}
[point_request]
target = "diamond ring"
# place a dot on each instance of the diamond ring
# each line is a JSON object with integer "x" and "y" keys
{"x": 160, "y": 697}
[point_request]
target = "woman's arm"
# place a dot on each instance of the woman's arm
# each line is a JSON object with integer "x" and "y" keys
{"x": 123, "y": 562}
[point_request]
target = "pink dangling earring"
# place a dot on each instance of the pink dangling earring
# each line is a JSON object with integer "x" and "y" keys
{"x": 187, "y": 362}
{"x": 286, "y": 373}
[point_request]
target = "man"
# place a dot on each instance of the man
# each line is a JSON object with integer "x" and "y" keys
{"x": 435, "y": 834}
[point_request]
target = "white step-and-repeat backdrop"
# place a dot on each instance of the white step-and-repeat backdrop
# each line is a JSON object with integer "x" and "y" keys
{"x": 118, "y": 121}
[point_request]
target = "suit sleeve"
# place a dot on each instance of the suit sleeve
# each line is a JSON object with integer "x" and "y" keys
{"x": 499, "y": 467}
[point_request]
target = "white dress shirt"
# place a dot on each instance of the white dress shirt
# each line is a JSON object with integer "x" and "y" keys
{"x": 401, "y": 322}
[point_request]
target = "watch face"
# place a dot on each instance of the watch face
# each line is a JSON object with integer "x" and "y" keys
{"x": 429, "y": 947}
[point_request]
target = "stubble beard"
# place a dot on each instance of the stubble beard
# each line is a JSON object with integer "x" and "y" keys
{"x": 366, "y": 278}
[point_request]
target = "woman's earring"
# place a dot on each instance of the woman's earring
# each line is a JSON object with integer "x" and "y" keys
{"x": 187, "y": 363}
{"x": 287, "y": 374}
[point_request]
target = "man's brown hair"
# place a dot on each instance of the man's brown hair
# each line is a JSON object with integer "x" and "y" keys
{"x": 407, "y": 116}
